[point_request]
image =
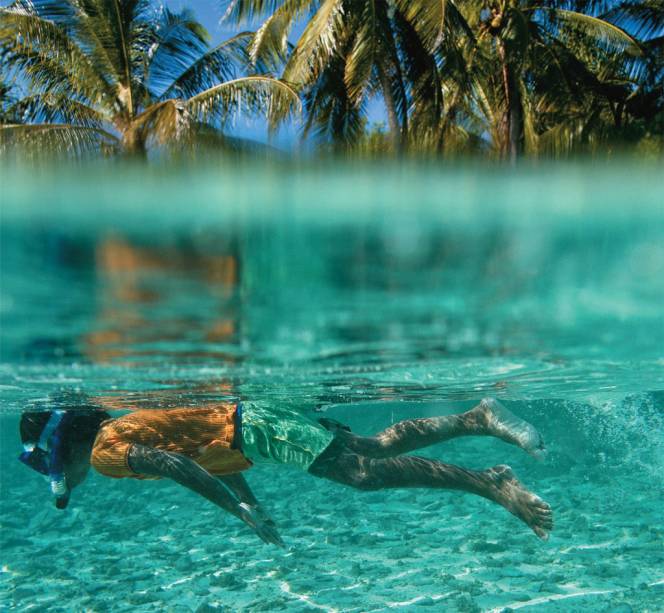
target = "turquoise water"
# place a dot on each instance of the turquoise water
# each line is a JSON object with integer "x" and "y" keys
{"x": 366, "y": 295}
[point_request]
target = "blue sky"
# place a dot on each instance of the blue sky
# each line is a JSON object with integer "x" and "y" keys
{"x": 209, "y": 13}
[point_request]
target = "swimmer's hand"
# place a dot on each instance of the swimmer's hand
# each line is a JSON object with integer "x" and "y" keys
{"x": 260, "y": 523}
{"x": 145, "y": 460}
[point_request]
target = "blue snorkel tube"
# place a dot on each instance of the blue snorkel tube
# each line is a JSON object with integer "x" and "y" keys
{"x": 46, "y": 456}
{"x": 56, "y": 473}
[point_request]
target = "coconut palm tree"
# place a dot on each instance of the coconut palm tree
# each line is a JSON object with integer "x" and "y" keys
{"x": 645, "y": 101}
{"x": 7, "y": 104}
{"x": 125, "y": 75}
{"x": 449, "y": 72}
{"x": 351, "y": 50}
{"x": 535, "y": 65}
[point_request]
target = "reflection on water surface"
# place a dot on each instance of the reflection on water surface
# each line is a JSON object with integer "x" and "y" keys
{"x": 305, "y": 311}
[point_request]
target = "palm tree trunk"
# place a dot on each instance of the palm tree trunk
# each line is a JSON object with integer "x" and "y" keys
{"x": 619, "y": 115}
{"x": 402, "y": 91}
{"x": 133, "y": 144}
{"x": 517, "y": 136}
{"x": 512, "y": 145}
{"x": 396, "y": 132}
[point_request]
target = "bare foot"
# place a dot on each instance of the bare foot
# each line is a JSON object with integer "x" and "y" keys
{"x": 529, "y": 508}
{"x": 505, "y": 425}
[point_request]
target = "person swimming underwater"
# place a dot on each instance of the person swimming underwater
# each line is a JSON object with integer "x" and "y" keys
{"x": 207, "y": 449}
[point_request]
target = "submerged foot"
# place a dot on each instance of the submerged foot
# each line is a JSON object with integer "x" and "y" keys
{"x": 529, "y": 508}
{"x": 505, "y": 425}
{"x": 333, "y": 425}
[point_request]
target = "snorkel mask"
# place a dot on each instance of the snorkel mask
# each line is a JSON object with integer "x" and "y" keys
{"x": 46, "y": 456}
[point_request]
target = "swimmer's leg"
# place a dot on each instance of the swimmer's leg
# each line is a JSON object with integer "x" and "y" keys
{"x": 498, "y": 484}
{"x": 488, "y": 418}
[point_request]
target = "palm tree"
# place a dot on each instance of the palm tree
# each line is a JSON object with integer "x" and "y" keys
{"x": 450, "y": 73}
{"x": 644, "y": 101}
{"x": 7, "y": 104}
{"x": 121, "y": 74}
{"x": 351, "y": 50}
{"x": 535, "y": 64}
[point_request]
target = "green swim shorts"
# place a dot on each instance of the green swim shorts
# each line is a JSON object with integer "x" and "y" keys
{"x": 281, "y": 435}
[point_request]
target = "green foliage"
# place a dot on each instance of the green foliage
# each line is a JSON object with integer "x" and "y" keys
{"x": 503, "y": 77}
{"x": 374, "y": 141}
{"x": 497, "y": 78}
{"x": 123, "y": 75}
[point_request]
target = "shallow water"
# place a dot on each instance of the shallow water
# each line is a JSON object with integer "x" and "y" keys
{"x": 369, "y": 296}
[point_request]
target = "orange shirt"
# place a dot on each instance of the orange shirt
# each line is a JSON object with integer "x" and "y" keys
{"x": 204, "y": 435}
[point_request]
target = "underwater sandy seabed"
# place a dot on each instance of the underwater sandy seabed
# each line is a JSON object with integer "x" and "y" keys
{"x": 132, "y": 546}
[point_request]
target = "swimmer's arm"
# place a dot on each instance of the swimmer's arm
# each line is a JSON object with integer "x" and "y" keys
{"x": 239, "y": 486}
{"x": 183, "y": 470}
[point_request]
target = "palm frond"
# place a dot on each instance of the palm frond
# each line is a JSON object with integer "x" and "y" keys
{"x": 331, "y": 116}
{"x": 271, "y": 39}
{"x": 56, "y": 109}
{"x": 316, "y": 45}
{"x": 423, "y": 79}
{"x": 489, "y": 107}
{"x": 366, "y": 50}
{"x": 434, "y": 20}
{"x": 39, "y": 45}
{"x": 174, "y": 42}
{"x": 269, "y": 44}
{"x": 52, "y": 139}
{"x": 44, "y": 73}
{"x": 88, "y": 26}
{"x": 593, "y": 27}
{"x": 58, "y": 12}
{"x": 245, "y": 11}
{"x": 427, "y": 17}
{"x": 255, "y": 95}
{"x": 563, "y": 139}
{"x": 102, "y": 26}
{"x": 645, "y": 18}
{"x": 9, "y": 98}
{"x": 217, "y": 64}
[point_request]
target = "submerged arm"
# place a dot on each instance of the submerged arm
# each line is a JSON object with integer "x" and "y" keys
{"x": 239, "y": 486}
{"x": 183, "y": 470}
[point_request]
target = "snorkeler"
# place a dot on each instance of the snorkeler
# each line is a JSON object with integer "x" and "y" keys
{"x": 206, "y": 449}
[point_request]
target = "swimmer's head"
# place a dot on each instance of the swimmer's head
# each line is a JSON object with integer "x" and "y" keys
{"x": 57, "y": 444}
